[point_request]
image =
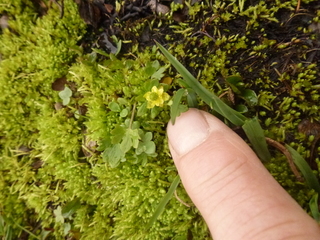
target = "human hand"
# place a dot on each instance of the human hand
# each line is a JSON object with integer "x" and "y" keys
{"x": 234, "y": 192}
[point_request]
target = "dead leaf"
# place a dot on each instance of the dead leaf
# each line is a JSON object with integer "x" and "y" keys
{"x": 4, "y": 22}
{"x": 309, "y": 128}
{"x": 58, "y": 106}
{"x": 37, "y": 164}
{"x": 158, "y": 7}
{"x": 109, "y": 7}
{"x": 90, "y": 12}
{"x": 58, "y": 84}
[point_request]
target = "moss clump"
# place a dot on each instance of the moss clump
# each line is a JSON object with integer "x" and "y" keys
{"x": 97, "y": 165}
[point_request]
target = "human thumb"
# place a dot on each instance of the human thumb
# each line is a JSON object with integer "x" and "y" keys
{"x": 235, "y": 194}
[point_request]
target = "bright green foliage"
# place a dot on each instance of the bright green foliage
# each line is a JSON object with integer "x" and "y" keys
{"x": 65, "y": 95}
{"x": 237, "y": 86}
{"x": 92, "y": 161}
{"x": 314, "y": 207}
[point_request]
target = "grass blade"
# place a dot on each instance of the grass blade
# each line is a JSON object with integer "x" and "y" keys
{"x": 305, "y": 169}
{"x": 209, "y": 98}
{"x": 164, "y": 201}
{"x": 251, "y": 127}
{"x": 256, "y": 137}
{"x": 27, "y": 231}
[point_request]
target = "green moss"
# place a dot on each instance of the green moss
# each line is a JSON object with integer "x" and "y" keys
{"x": 53, "y": 155}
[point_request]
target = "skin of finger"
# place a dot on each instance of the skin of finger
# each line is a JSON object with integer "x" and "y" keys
{"x": 236, "y": 195}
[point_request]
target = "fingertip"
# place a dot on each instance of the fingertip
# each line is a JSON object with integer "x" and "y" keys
{"x": 220, "y": 171}
{"x": 189, "y": 130}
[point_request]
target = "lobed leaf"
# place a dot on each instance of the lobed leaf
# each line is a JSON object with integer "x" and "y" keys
{"x": 65, "y": 95}
{"x": 113, "y": 155}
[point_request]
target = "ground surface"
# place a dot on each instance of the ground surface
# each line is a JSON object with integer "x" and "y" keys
{"x": 82, "y": 155}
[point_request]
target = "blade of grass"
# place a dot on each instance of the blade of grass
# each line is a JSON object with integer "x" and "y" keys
{"x": 209, "y": 98}
{"x": 313, "y": 204}
{"x": 30, "y": 233}
{"x": 305, "y": 169}
{"x": 256, "y": 136}
{"x": 164, "y": 201}
{"x": 8, "y": 233}
{"x": 252, "y": 127}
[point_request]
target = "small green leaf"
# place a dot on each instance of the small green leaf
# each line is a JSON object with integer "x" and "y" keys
{"x": 234, "y": 80}
{"x": 65, "y": 95}
{"x": 174, "y": 108}
{"x": 146, "y": 145}
{"x": 147, "y": 137}
{"x": 103, "y": 53}
{"x": 155, "y": 64}
{"x": 305, "y": 169}
{"x": 164, "y": 201}
{"x": 66, "y": 228}
{"x": 144, "y": 159}
{"x": 122, "y": 101}
{"x": 314, "y": 207}
{"x": 150, "y": 147}
{"x": 134, "y": 135}
{"x": 113, "y": 155}
{"x": 126, "y": 143}
{"x": 127, "y": 91}
{"x": 142, "y": 110}
{"x": 58, "y": 214}
{"x": 241, "y": 108}
{"x": 256, "y": 137}
{"x": 192, "y": 99}
{"x": 151, "y": 68}
{"x": 234, "y": 83}
{"x": 114, "y": 107}
{"x": 117, "y": 134}
{"x": 135, "y": 125}
{"x": 77, "y": 114}
{"x": 119, "y": 45}
{"x": 104, "y": 143}
{"x": 70, "y": 208}
{"x": 44, "y": 233}
{"x": 158, "y": 74}
{"x": 155, "y": 111}
{"x": 141, "y": 148}
{"x": 124, "y": 112}
{"x": 250, "y": 96}
{"x": 237, "y": 86}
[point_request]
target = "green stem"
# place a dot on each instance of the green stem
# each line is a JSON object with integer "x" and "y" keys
{"x": 132, "y": 115}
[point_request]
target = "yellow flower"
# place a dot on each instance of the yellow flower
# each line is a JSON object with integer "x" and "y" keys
{"x": 156, "y": 97}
